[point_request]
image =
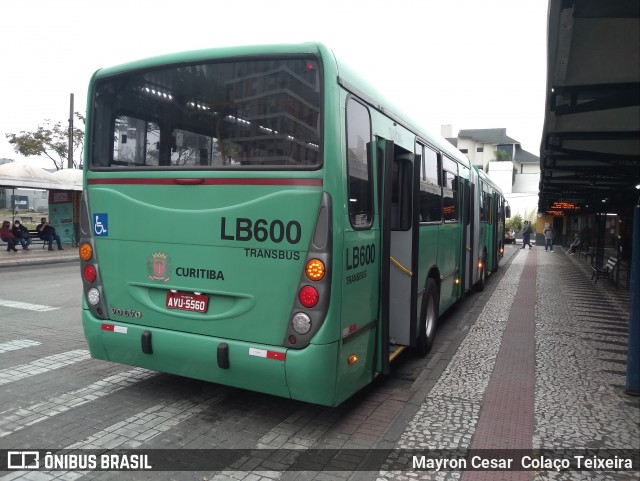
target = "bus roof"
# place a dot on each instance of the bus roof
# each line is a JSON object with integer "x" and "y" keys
{"x": 353, "y": 79}
{"x": 485, "y": 178}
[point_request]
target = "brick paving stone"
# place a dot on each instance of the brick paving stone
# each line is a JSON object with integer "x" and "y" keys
{"x": 573, "y": 396}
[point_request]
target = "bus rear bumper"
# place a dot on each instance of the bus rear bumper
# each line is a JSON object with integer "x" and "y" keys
{"x": 307, "y": 375}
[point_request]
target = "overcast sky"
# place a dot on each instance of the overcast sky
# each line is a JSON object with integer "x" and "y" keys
{"x": 473, "y": 64}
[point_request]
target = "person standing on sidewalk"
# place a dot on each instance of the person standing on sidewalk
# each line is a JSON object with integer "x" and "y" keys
{"x": 526, "y": 234}
{"x": 549, "y": 234}
{"x": 7, "y": 236}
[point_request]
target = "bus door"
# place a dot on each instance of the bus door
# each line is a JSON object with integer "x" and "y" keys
{"x": 473, "y": 230}
{"x": 399, "y": 250}
{"x": 467, "y": 219}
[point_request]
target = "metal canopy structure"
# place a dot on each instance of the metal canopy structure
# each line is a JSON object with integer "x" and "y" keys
{"x": 590, "y": 150}
{"x": 24, "y": 176}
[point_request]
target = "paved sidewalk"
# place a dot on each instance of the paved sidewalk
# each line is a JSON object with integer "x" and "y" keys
{"x": 543, "y": 368}
{"x": 37, "y": 255}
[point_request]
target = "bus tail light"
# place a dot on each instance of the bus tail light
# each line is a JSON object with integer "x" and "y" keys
{"x": 93, "y": 296}
{"x": 311, "y": 300}
{"x": 86, "y": 251}
{"x": 90, "y": 273}
{"x": 300, "y": 323}
{"x": 308, "y": 296}
{"x": 315, "y": 269}
{"x": 89, "y": 267}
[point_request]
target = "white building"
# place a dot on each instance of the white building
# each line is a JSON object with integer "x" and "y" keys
{"x": 515, "y": 170}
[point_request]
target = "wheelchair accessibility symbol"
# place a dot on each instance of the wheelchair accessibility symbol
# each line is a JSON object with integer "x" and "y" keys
{"x": 100, "y": 224}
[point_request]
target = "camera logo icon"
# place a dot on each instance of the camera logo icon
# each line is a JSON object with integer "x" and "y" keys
{"x": 23, "y": 460}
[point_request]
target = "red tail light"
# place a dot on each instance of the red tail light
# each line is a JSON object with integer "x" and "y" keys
{"x": 308, "y": 296}
{"x": 90, "y": 273}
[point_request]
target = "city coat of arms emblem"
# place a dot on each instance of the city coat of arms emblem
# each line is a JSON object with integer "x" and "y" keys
{"x": 159, "y": 267}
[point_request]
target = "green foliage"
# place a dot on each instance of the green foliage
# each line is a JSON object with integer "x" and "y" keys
{"x": 515, "y": 222}
{"x": 531, "y": 215}
{"x": 502, "y": 156}
{"x": 50, "y": 141}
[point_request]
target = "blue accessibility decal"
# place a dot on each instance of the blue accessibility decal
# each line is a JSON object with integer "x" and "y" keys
{"x": 100, "y": 225}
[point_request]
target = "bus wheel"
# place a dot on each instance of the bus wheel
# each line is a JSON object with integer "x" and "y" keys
{"x": 483, "y": 274}
{"x": 429, "y": 318}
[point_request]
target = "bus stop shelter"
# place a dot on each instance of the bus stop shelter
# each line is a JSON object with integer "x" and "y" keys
{"x": 64, "y": 189}
{"x": 590, "y": 150}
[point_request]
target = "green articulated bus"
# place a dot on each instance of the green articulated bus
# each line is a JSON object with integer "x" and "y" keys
{"x": 260, "y": 217}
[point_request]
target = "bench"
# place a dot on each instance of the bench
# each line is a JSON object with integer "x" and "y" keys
{"x": 35, "y": 240}
{"x": 586, "y": 253}
{"x": 606, "y": 271}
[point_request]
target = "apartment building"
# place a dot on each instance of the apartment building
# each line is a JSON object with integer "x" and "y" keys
{"x": 515, "y": 170}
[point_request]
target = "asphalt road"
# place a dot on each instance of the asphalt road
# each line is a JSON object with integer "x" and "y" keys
{"x": 54, "y": 396}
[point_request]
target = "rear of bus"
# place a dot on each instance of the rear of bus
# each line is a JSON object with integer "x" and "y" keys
{"x": 206, "y": 238}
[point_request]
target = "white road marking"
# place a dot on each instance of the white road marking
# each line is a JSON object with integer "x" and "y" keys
{"x": 42, "y": 365}
{"x": 27, "y": 306}
{"x": 16, "y": 419}
{"x": 131, "y": 432}
{"x": 17, "y": 344}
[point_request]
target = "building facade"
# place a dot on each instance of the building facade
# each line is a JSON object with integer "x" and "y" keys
{"x": 516, "y": 171}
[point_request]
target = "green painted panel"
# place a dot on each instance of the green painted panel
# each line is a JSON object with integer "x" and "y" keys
{"x": 189, "y": 355}
{"x": 246, "y": 254}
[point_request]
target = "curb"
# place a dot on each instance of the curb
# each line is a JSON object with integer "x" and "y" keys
{"x": 35, "y": 262}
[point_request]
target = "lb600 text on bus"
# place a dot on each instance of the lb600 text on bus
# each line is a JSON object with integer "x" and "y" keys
{"x": 262, "y": 230}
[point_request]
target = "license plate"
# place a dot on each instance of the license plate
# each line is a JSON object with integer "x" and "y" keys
{"x": 187, "y": 301}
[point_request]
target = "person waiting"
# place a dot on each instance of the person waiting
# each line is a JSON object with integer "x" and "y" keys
{"x": 48, "y": 234}
{"x": 22, "y": 234}
{"x": 7, "y": 236}
{"x": 574, "y": 246}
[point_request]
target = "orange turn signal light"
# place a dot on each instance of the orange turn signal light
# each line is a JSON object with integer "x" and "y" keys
{"x": 315, "y": 269}
{"x": 352, "y": 359}
{"x": 86, "y": 251}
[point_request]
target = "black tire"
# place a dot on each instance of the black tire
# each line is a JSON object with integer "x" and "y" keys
{"x": 428, "y": 318}
{"x": 483, "y": 274}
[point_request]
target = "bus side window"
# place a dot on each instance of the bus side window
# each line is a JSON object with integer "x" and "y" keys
{"x": 450, "y": 190}
{"x": 430, "y": 190}
{"x": 360, "y": 188}
{"x": 485, "y": 207}
{"x": 401, "y": 191}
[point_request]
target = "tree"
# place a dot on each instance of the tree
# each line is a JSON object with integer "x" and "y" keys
{"x": 502, "y": 156}
{"x": 515, "y": 222}
{"x": 52, "y": 142}
{"x": 531, "y": 215}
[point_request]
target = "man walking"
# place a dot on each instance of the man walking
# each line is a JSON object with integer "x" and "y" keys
{"x": 526, "y": 234}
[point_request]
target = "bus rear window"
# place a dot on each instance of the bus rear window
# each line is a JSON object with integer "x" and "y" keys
{"x": 258, "y": 114}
